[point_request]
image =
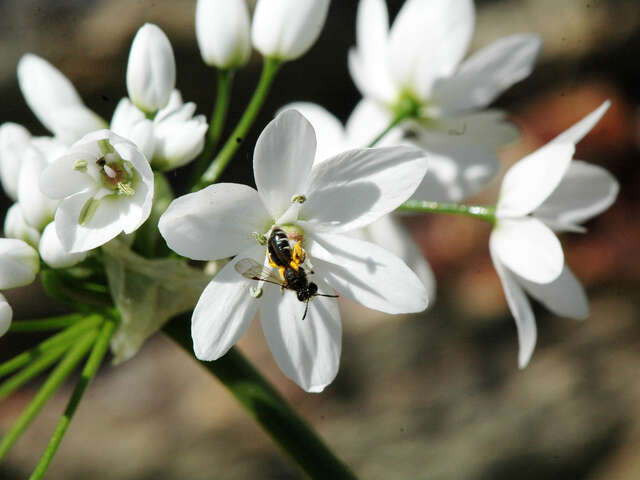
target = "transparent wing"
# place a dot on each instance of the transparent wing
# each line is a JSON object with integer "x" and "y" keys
{"x": 249, "y": 268}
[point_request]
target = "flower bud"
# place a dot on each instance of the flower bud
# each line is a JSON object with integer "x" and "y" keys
{"x": 52, "y": 251}
{"x": 37, "y": 208}
{"x": 14, "y": 141}
{"x": 286, "y": 29}
{"x": 19, "y": 263}
{"x": 151, "y": 71}
{"x": 6, "y": 313}
{"x": 222, "y": 30}
{"x": 15, "y": 226}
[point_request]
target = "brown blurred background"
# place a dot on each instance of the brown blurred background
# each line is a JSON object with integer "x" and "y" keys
{"x": 436, "y": 395}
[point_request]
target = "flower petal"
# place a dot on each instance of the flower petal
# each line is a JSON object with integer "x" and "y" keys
{"x": 428, "y": 40}
{"x": 520, "y": 309}
{"x": 307, "y": 351}
{"x": 52, "y": 251}
{"x": 60, "y": 179}
{"x": 224, "y": 311}
{"x": 19, "y": 263}
{"x": 329, "y": 131}
{"x": 578, "y": 131}
{"x": 529, "y": 182}
{"x": 368, "y": 274}
{"x": 527, "y": 247}
{"x": 6, "y": 313}
{"x": 565, "y": 296}
{"x": 366, "y": 121}
{"x": 14, "y": 141}
{"x": 37, "y": 208}
{"x": 286, "y": 29}
{"x": 282, "y": 160}
{"x": 585, "y": 191}
{"x": 357, "y": 187}
{"x": 15, "y": 226}
{"x": 488, "y": 73}
{"x": 215, "y": 222}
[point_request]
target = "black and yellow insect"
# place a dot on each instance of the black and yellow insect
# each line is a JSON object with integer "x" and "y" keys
{"x": 288, "y": 262}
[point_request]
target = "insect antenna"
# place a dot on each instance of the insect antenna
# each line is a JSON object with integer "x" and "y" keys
{"x": 306, "y": 308}
{"x": 326, "y": 295}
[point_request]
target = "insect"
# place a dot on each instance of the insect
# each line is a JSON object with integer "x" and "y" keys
{"x": 288, "y": 262}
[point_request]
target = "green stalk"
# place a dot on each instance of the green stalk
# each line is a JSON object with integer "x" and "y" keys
{"x": 46, "y": 324}
{"x": 88, "y": 373}
{"x": 218, "y": 116}
{"x": 485, "y": 213}
{"x": 44, "y": 361}
{"x": 406, "y": 108}
{"x": 55, "y": 379}
{"x": 277, "y": 418}
{"x": 63, "y": 338}
{"x": 269, "y": 70}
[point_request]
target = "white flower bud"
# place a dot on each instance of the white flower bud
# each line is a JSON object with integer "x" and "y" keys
{"x": 6, "y": 313}
{"x": 286, "y": 29}
{"x": 37, "y": 208}
{"x": 15, "y": 226}
{"x": 14, "y": 141}
{"x": 151, "y": 71}
{"x": 222, "y": 30}
{"x": 52, "y": 251}
{"x": 19, "y": 263}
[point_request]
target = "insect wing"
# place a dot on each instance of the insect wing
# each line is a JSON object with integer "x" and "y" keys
{"x": 249, "y": 268}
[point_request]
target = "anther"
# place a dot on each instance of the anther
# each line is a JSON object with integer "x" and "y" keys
{"x": 261, "y": 239}
{"x": 298, "y": 199}
{"x": 255, "y": 292}
{"x": 80, "y": 165}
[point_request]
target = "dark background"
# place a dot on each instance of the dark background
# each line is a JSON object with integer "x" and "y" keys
{"x": 436, "y": 395}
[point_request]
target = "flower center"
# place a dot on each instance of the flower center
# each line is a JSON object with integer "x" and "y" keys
{"x": 116, "y": 173}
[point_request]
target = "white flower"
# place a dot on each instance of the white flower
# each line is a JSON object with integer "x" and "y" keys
{"x": 343, "y": 193}
{"x": 14, "y": 141}
{"x": 54, "y": 100}
{"x": 286, "y": 29}
{"x": 416, "y": 66}
{"x": 106, "y": 187}
{"x": 546, "y": 191}
{"x": 19, "y": 264}
{"x": 222, "y": 30}
{"x": 172, "y": 139}
{"x": 387, "y": 232}
{"x": 15, "y": 226}
{"x": 52, "y": 251}
{"x": 151, "y": 70}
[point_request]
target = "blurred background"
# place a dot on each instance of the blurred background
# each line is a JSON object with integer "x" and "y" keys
{"x": 436, "y": 395}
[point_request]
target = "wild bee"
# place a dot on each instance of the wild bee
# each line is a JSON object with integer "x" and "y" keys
{"x": 288, "y": 262}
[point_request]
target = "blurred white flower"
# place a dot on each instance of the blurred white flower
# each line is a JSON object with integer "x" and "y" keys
{"x": 172, "y": 139}
{"x": 106, "y": 187}
{"x": 54, "y": 100}
{"x": 388, "y": 232}
{"x": 416, "y": 65}
{"x": 6, "y": 314}
{"x": 343, "y": 193}
{"x": 52, "y": 251}
{"x": 151, "y": 69}
{"x": 542, "y": 193}
{"x": 286, "y": 29}
{"x": 222, "y": 30}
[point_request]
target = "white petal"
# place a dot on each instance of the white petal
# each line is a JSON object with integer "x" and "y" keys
{"x": 50, "y": 94}
{"x": 6, "y": 313}
{"x": 103, "y": 226}
{"x": 53, "y": 253}
{"x": 37, "y": 208}
{"x": 215, "y": 222}
{"x": 357, "y": 187}
{"x": 19, "y": 263}
{"x": 520, "y": 309}
{"x": 488, "y": 73}
{"x": 151, "y": 69}
{"x": 577, "y": 132}
{"x": 14, "y": 141}
{"x": 564, "y": 296}
{"x": 368, "y": 274}
{"x": 585, "y": 191}
{"x": 178, "y": 141}
{"x": 455, "y": 171}
{"x": 222, "y": 30}
{"x": 286, "y": 29}
{"x": 329, "y": 131}
{"x": 391, "y": 235}
{"x": 367, "y": 121}
{"x": 129, "y": 122}
{"x": 282, "y": 160}
{"x": 530, "y": 181}
{"x": 428, "y": 40}
{"x": 490, "y": 128}
{"x": 15, "y": 226}
{"x": 60, "y": 179}
{"x": 224, "y": 311}
{"x": 307, "y": 351}
{"x": 51, "y": 148}
{"x": 528, "y": 248}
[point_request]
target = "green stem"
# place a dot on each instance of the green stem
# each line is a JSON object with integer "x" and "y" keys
{"x": 216, "y": 126}
{"x": 292, "y": 433}
{"x": 46, "y": 324}
{"x": 269, "y": 69}
{"x": 40, "y": 363}
{"x": 90, "y": 369}
{"x": 55, "y": 379}
{"x": 63, "y": 338}
{"x": 486, "y": 213}
{"x": 407, "y": 108}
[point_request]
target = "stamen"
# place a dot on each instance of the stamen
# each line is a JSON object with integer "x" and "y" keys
{"x": 298, "y": 199}
{"x": 105, "y": 147}
{"x": 80, "y": 165}
{"x": 125, "y": 189}
{"x": 261, "y": 239}
{"x": 88, "y": 210}
{"x": 255, "y": 292}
